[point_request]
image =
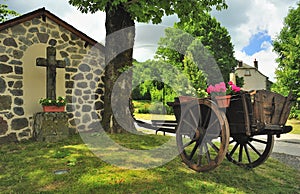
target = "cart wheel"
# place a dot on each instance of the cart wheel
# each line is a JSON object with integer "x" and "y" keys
{"x": 250, "y": 151}
{"x": 202, "y": 135}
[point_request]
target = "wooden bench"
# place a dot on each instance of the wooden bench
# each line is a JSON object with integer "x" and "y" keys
{"x": 164, "y": 126}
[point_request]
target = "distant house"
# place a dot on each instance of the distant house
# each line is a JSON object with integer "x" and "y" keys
{"x": 253, "y": 78}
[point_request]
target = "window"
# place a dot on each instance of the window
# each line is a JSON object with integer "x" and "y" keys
{"x": 247, "y": 72}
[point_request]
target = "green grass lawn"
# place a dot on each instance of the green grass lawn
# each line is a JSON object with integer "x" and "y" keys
{"x": 153, "y": 116}
{"x": 296, "y": 126}
{"x": 29, "y": 168}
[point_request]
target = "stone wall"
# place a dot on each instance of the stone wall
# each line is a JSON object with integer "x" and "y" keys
{"x": 83, "y": 77}
{"x": 50, "y": 126}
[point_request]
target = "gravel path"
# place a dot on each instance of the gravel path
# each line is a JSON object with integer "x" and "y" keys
{"x": 293, "y": 161}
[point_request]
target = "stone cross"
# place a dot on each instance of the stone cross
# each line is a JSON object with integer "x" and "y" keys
{"x": 51, "y": 63}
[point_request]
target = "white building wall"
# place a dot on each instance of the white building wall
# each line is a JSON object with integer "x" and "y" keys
{"x": 253, "y": 81}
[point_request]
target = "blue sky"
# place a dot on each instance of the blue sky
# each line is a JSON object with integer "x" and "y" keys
{"x": 251, "y": 24}
{"x": 258, "y": 42}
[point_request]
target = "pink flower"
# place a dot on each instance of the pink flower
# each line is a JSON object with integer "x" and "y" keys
{"x": 210, "y": 89}
{"x": 220, "y": 87}
{"x": 235, "y": 88}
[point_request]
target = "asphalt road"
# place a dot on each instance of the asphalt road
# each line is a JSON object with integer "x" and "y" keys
{"x": 287, "y": 144}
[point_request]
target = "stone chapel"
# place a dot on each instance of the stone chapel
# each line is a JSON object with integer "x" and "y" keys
{"x": 23, "y": 83}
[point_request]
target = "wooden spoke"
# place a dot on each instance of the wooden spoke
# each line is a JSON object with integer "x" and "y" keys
{"x": 206, "y": 119}
{"x": 234, "y": 148}
{"x": 199, "y": 161}
{"x": 247, "y": 153}
{"x": 194, "y": 150}
{"x": 241, "y": 153}
{"x": 211, "y": 125}
{"x": 207, "y": 153}
{"x": 200, "y": 152}
{"x": 248, "y": 145}
{"x": 254, "y": 149}
{"x": 188, "y": 123}
{"x": 230, "y": 142}
{"x": 193, "y": 117}
{"x": 258, "y": 140}
{"x": 213, "y": 146}
{"x": 187, "y": 144}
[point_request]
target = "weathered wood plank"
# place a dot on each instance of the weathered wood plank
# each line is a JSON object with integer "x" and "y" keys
{"x": 286, "y": 109}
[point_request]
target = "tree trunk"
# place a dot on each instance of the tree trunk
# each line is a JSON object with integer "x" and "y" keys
{"x": 120, "y": 33}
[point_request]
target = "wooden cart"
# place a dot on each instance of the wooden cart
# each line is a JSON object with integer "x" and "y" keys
{"x": 243, "y": 132}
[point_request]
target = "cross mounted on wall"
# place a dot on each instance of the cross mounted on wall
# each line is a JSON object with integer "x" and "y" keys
{"x": 51, "y": 63}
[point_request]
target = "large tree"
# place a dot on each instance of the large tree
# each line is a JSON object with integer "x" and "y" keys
{"x": 287, "y": 46}
{"x": 5, "y": 12}
{"x": 209, "y": 32}
{"x": 122, "y": 14}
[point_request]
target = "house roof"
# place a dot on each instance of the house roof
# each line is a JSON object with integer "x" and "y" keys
{"x": 245, "y": 66}
{"x": 42, "y": 12}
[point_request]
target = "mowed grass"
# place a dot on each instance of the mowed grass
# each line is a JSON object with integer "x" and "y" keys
{"x": 29, "y": 168}
{"x": 296, "y": 126}
{"x": 153, "y": 116}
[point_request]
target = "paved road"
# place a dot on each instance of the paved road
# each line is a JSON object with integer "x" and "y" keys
{"x": 288, "y": 144}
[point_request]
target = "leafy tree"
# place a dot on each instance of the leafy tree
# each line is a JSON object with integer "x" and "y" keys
{"x": 157, "y": 77}
{"x": 196, "y": 77}
{"x": 287, "y": 46}
{"x": 122, "y": 14}
{"x": 208, "y": 30}
{"x": 5, "y": 13}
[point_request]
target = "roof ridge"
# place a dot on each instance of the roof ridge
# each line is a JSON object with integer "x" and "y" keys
{"x": 45, "y": 13}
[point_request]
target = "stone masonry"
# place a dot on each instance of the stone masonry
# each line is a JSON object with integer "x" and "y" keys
{"x": 83, "y": 76}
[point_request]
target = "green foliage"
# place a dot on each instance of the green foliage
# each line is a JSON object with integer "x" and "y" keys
{"x": 196, "y": 77}
{"x": 194, "y": 47}
{"x": 287, "y": 45}
{"x": 174, "y": 46}
{"x": 163, "y": 81}
{"x": 215, "y": 38}
{"x": 151, "y": 10}
{"x": 155, "y": 107}
{"x": 123, "y": 13}
{"x": 240, "y": 81}
{"x": 141, "y": 106}
{"x": 294, "y": 114}
{"x": 5, "y": 12}
{"x": 60, "y": 101}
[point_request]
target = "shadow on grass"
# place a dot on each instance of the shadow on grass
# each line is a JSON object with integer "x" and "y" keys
{"x": 29, "y": 168}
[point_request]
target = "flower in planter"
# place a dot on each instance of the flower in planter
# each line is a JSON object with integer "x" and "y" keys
{"x": 60, "y": 101}
{"x": 222, "y": 89}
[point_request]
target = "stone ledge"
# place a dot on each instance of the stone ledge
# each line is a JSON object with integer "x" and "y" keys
{"x": 50, "y": 126}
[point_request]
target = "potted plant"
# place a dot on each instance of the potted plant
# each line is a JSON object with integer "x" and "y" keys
{"x": 50, "y": 105}
{"x": 222, "y": 92}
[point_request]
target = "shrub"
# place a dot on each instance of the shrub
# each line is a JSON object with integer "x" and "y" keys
{"x": 294, "y": 113}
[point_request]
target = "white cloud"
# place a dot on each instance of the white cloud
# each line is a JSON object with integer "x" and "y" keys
{"x": 265, "y": 45}
{"x": 92, "y": 25}
{"x": 244, "y": 19}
